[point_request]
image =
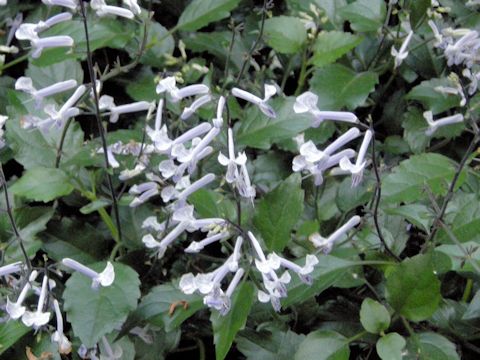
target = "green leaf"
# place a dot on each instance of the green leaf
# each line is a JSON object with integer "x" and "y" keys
{"x": 419, "y": 11}
{"x": 348, "y": 197}
{"x": 432, "y": 347}
{"x": 200, "y": 13}
{"x": 278, "y": 212}
{"x": 418, "y": 214}
{"x": 42, "y": 184}
{"x": 108, "y": 307}
{"x": 155, "y": 307}
{"x": 337, "y": 86}
{"x": 331, "y": 45}
{"x": 463, "y": 218}
{"x": 473, "y": 310}
{"x": 226, "y": 327}
{"x": 407, "y": 181}
{"x": 285, "y": 34}
{"x": 390, "y": 347}
{"x": 365, "y": 15}
{"x": 269, "y": 345}
{"x": 61, "y": 71}
{"x": 413, "y": 290}
{"x": 324, "y": 275}
{"x": 258, "y": 131}
{"x": 431, "y": 99}
{"x": 415, "y": 125}
{"x": 143, "y": 88}
{"x": 323, "y": 345}
{"x": 95, "y": 205}
{"x": 210, "y": 204}
{"x": 269, "y": 170}
{"x": 374, "y": 316}
{"x": 10, "y": 333}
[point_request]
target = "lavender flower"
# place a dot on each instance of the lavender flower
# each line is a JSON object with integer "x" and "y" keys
{"x": 270, "y": 90}
{"x": 105, "y": 278}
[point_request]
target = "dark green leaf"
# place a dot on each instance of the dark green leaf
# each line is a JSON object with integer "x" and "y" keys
{"x": 374, "y": 316}
{"x": 432, "y": 347}
{"x": 323, "y": 345}
{"x": 42, "y": 184}
{"x": 431, "y": 99}
{"x": 331, "y": 45}
{"x": 418, "y": 214}
{"x": 365, "y": 15}
{"x": 278, "y": 212}
{"x": 285, "y": 34}
{"x": 413, "y": 290}
{"x": 338, "y": 86}
{"x": 390, "y": 347}
{"x": 226, "y": 327}
{"x": 202, "y": 12}
{"x": 10, "y": 333}
{"x": 108, "y": 307}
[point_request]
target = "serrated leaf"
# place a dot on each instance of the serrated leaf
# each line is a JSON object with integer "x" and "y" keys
{"x": 42, "y": 184}
{"x": 365, "y": 15}
{"x": 473, "y": 309}
{"x": 210, "y": 204}
{"x": 202, "y": 12}
{"x": 413, "y": 290}
{"x": 94, "y": 313}
{"x": 349, "y": 197}
{"x": 285, "y": 34}
{"x": 226, "y": 327}
{"x": 432, "y": 347}
{"x": 337, "y": 86}
{"x": 258, "y": 131}
{"x": 323, "y": 345}
{"x": 407, "y": 182}
{"x": 431, "y": 99}
{"x": 374, "y": 316}
{"x": 331, "y": 45}
{"x": 47, "y": 75}
{"x": 390, "y": 347}
{"x": 278, "y": 212}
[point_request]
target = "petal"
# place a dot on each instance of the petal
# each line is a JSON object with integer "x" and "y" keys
{"x": 270, "y": 90}
{"x": 223, "y": 160}
{"x": 150, "y": 241}
{"x": 187, "y": 283}
{"x": 107, "y": 276}
{"x": 263, "y": 296}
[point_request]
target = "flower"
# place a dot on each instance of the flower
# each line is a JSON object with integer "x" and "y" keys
{"x": 169, "y": 85}
{"x": 11, "y": 268}
{"x": 117, "y": 110}
{"x": 25, "y": 84}
{"x": 15, "y": 309}
{"x": 145, "y": 191}
{"x": 401, "y": 54}
{"x": 133, "y": 5}
{"x": 326, "y": 244}
{"x": 64, "y": 345}
{"x": 357, "y": 169}
{"x": 103, "y": 9}
{"x": 105, "y": 278}
{"x": 197, "y": 246}
{"x": 270, "y": 90}
{"x": 190, "y": 110}
{"x": 434, "y": 125}
{"x": 307, "y": 102}
{"x": 71, "y": 4}
{"x": 218, "y": 121}
{"x": 162, "y": 245}
{"x": 38, "y": 318}
{"x": 231, "y": 162}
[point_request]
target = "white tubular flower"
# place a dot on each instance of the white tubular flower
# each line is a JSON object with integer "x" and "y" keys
{"x": 169, "y": 85}
{"x": 25, "y": 84}
{"x": 127, "y": 174}
{"x": 146, "y": 190}
{"x": 116, "y": 111}
{"x": 474, "y": 79}
{"x": 29, "y": 32}
{"x": 401, "y": 54}
{"x": 56, "y": 19}
{"x": 307, "y": 102}
{"x": 357, "y": 169}
{"x": 448, "y": 90}
{"x": 200, "y": 183}
{"x": 71, "y": 4}
{"x": 232, "y": 162}
{"x": 105, "y": 278}
{"x": 302, "y": 272}
{"x": 11, "y": 268}
{"x": 38, "y": 318}
{"x": 326, "y": 244}
{"x": 198, "y": 103}
{"x": 133, "y": 5}
{"x": 15, "y": 309}
{"x": 103, "y": 9}
{"x": 3, "y": 120}
{"x": 202, "y": 144}
{"x": 438, "y": 37}
{"x": 197, "y": 246}
{"x": 270, "y": 90}
{"x": 218, "y": 121}
{"x": 243, "y": 184}
{"x": 64, "y": 345}
{"x": 231, "y": 288}
{"x": 433, "y": 125}
{"x": 464, "y": 50}
{"x": 162, "y": 245}
{"x": 151, "y": 223}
